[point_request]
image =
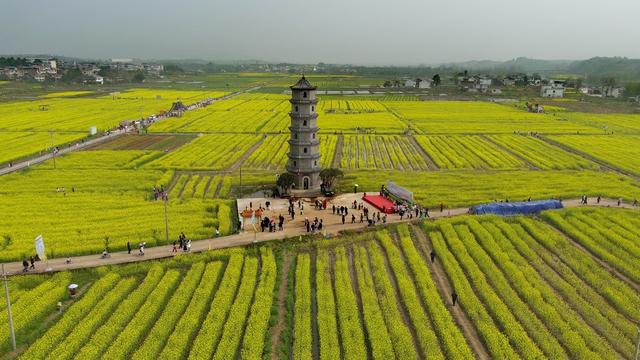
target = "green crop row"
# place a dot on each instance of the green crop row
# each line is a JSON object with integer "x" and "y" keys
{"x": 95, "y": 340}
{"x": 302, "y": 338}
{"x": 54, "y": 336}
{"x": 602, "y": 318}
{"x": 329, "y": 345}
{"x": 496, "y": 341}
{"x": 351, "y": 334}
{"x": 542, "y": 155}
{"x": 492, "y": 300}
{"x": 377, "y": 333}
{"x": 466, "y": 152}
{"x": 535, "y": 321}
{"x": 254, "y": 333}
{"x": 381, "y": 152}
{"x": 92, "y": 320}
{"x": 615, "y": 291}
{"x": 211, "y": 328}
{"x": 452, "y": 339}
{"x": 233, "y": 328}
{"x": 131, "y": 335}
{"x": 163, "y": 327}
{"x": 400, "y": 334}
{"x": 178, "y": 344}
{"x": 594, "y": 242}
{"x": 34, "y": 306}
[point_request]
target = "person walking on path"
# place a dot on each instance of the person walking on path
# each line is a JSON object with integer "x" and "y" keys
{"x": 174, "y": 248}
{"x": 188, "y": 245}
{"x": 25, "y": 265}
{"x": 343, "y": 216}
{"x": 32, "y": 260}
{"x": 454, "y": 298}
{"x": 218, "y": 232}
{"x": 128, "y": 247}
{"x": 432, "y": 255}
{"x": 441, "y": 207}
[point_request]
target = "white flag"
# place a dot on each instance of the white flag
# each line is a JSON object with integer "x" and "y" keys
{"x": 40, "y": 248}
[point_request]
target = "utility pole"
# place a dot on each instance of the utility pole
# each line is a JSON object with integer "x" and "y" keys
{"x": 53, "y": 149}
{"x": 9, "y": 317}
{"x": 166, "y": 217}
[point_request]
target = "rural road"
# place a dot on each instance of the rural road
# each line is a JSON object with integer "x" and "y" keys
{"x": 42, "y": 158}
{"x": 333, "y": 226}
{"x": 87, "y": 144}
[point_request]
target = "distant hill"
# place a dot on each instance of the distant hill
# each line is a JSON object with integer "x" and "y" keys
{"x": 521, "y": 64}
{"x": 594, "y": 68}
{"x": 618, "y": 67}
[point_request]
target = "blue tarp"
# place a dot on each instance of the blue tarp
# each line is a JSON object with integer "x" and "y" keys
{"x": 516, "y": 208}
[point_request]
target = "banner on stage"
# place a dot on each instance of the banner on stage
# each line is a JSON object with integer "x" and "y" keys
{"x": 399, "y": 191}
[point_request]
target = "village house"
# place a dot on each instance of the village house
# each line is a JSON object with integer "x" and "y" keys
{"x": 424, "y": 83}
{"x": 409, "y": 83}
{"x": 154, "y": 69}
{"x": 613, "y": 91}
{"x": 509, "y": 81}
{"x": 553, "y": 89}
{"x": 603, "y": 91}
{"x": 483, "y": 84}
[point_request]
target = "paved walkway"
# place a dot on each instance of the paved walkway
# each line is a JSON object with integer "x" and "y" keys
{"x": 292, "y": 228}
{"x": 88, "y": 143}
{"x": 48, "y": 156}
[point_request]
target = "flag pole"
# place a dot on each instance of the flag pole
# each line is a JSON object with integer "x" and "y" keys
{"x": 9, "y": 317}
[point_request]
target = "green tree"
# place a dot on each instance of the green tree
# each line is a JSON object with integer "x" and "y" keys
{"x": 330, "y": 175}
{"x": 173, "y": 69}
{"x": 138, "y": 77}
{"x": 73, "y": 75}
{"x": 285, "y": 181}
{"x": 609, "y": 81}
{"x": 436, "y": 79}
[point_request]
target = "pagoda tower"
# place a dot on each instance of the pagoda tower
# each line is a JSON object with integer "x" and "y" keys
{"x": 304, "y": 157}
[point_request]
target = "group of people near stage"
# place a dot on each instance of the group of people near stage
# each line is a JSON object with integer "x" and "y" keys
{"x": 405, "y": 208}
{"x": 314, "y": 225}
{"x": 270, "y": 223}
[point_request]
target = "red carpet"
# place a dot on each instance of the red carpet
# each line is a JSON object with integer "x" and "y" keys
{"x": 380, "y": 202}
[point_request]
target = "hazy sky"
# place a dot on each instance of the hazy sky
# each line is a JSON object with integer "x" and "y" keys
{"x": 333, "y": 31}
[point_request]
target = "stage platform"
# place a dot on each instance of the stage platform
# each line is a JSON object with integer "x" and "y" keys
{"x": 379, "y": 202}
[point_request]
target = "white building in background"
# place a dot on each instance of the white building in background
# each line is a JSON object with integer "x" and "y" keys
{"x": 509, "y": 81}
{"x": 555, "y": 89}
{"x": 424, "y": 84}
{"x": 409, "y": 83}
{"x": 483, "y": 84}
{"x": 603, "y": 91}
{"x": 613, "y": 91}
